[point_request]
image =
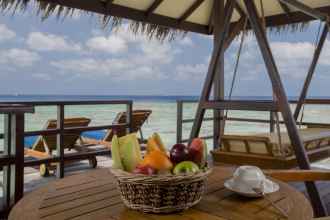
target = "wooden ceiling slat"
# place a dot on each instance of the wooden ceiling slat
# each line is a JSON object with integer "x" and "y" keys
{"x": 153, "y": 7}
{"x": 295, "y": 17}
{"x": 130, "y": 13}
{"x": 190, "y": 10}
{"x": 305, "y": 9}
{"x": 284, "y": 7}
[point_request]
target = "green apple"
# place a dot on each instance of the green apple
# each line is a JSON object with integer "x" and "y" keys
{"x": 186, "y": 167}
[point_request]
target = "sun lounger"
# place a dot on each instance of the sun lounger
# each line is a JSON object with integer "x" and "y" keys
{"x": 43, "y": 146}
{"x": 266, "y": 151}
{"x": 103, "y": 137}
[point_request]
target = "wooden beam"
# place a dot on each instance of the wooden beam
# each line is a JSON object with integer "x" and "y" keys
{"x": 299, "y": 175}
{"x": 239, "y": 9}
{"x": 190, "y": 10}
{"x": 241, "y": 105}
{"x": 284, "y": 106}
{"x": 129, "y": 13}
{"x": 311, "y": 71}
{"x": 285, "y": 8}
{"x": 218, "y": 51}
{"x": 219, "y": 78}
{"x": 306, "y": 9}
{"x": 235, "y": 31}
{"x": 295, "y": 17}
{"x": 60, "y": 141}
{"x": 153, "y": 7}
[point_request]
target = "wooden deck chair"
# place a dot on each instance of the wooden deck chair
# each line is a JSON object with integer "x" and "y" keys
{"x": 139, "y": 117}
{"x": 268, "y": 152}
{"x": 46, "y": 144}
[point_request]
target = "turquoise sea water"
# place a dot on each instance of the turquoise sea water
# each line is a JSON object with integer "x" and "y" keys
{"x": 162, "y": 120}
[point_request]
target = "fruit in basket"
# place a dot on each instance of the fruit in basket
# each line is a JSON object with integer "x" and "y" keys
{"x": 157, "y": 160}
{"x": 146, "y": 170}
{"x": 115, "y": 153}
{"x": 198, "y": 152}
{"x": 130, "y": 152}
{"x": 159, "y": 142}
{"x": 126, "y": 152}
{"x": 178, "y": 153}
{"x": 155, "y": 143}
{"x": 186, "y": 167}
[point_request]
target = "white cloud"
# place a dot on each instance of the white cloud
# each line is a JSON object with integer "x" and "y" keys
{"x": 194, "y": 72}
{"x": 6, "y": 33}
{"x": 186, "y": 41}
{"x": 117, "y": 69}
{"x": 50, "y": 42}
{"x": 41, "y": 76}
{"x": 112, "y": 44}
{"x": 18, "y": 57}
{"x": 156, "y": 52}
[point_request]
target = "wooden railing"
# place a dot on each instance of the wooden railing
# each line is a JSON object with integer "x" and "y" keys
{"x": 14, "y": 140}
{"x": 240, "y": 105}
{"x": 12, "y": 157}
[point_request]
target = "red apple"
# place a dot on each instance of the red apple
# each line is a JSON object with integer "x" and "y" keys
{"x": 198, "y": 152}
{"x": 146, "y": 170}
{"x": 178, "y": 153}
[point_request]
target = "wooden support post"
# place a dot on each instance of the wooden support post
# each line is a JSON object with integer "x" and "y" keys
{"x": 311, "y": 71}
{"x": 219, "y": 78}
{"x": 217, "y": 51}
{"x": 60, "y": 141}
{"x": 284, "y": 106}
{"x": 129, "y": 112}
{"x": 179, "y": 118}
{"x": 272, "y": 122}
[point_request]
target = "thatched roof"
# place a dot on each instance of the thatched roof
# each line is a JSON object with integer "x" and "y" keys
{"x": 167, "y": 18}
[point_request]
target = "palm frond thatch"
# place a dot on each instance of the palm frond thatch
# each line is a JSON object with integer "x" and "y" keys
{"x": 46, "y": 9}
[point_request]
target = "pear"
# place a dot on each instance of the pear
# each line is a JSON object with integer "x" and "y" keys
{"x": 115, "y": 153}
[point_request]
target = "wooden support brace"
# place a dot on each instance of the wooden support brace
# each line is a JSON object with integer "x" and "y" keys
{"x": 306, "y": 9}
{"x": 311, "y": 71}
{"x": 284, "y": 106}
{"x": 217, "y": 52}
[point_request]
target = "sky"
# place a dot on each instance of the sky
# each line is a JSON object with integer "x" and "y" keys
{"x": 75, "y": 56}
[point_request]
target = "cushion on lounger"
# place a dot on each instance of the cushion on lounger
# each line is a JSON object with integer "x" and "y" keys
{"x": 268, "y": 143}
{"x": 29, "y": 141}
{"x": 96, "y": 135}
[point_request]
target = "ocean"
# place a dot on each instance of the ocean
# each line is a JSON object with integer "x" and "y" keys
{"x": 163, "y": 118}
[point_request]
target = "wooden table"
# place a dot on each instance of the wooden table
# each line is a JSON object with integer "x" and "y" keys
{"x": 93, "y": 195}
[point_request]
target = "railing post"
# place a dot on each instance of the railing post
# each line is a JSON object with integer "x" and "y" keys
{"x": 129, "y": 112}
{"x": 179, "y": 116}
{"x": 60, "y": 140}
{"x": 14, "y": 147}
{"x": 8, "y": 194}
{"x": 272, "y": 122}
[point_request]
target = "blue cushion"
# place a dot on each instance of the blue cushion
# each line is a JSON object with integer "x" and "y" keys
{"x": 29, "y": 141}
{"x": 97, "y": 135}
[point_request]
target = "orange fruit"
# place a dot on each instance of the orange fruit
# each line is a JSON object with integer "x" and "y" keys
{"x": 157, "y": 160}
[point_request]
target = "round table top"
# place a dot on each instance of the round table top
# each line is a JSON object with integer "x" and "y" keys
{"x": 93, "y": 195}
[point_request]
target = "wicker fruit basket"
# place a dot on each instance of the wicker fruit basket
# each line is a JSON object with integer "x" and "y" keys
{"x": 161, "y": 193}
